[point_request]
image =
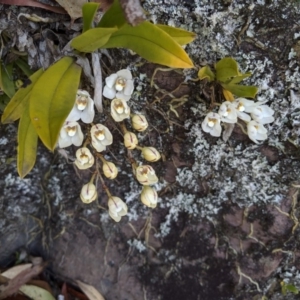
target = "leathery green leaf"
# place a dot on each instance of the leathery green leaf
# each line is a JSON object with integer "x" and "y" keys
{"x": 52, "y": 99}
{"x": 23, "y": 65}
{"x": 152, "y": 43}
{"x": 226, "y": 68}
{"x": 92, "y": 39}
{"x": 113, "y": 17}
{"x": 239, "y": 78}
{"x": 18, "y": 102}
{"x": 27, "y": 144}
{"x": 181, "y": 36}
{"x": 241, "y": 90}
{"x": 88, "y": 13}
{"x": 6, "y": 80}
{"x": 206, "y": 72}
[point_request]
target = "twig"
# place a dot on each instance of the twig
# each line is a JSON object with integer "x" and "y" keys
{"x": 98, "y": 81}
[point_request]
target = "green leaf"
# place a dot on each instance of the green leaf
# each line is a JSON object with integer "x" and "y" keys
{"x": 27, "y": 145}
{"x": 113, "y": 17}
{"x": 4, "y": 99}
{"x": 226, "y": 68}
{"x": 35, "y": 292}
{"x": 6, "y": 80}
{"x": 18, "y": 102}
{"x": 291, "y": 288}
{"x": 206, "y": 72}
{"x": 52, "y": 99}
{"x": 88, "y": 13}
{"x": 152, "y": 43}
{"x": 23, "y": 65}
{"x": 92, "y": 39}
{"x": 247, "y": 91}
{"x": 181, "y": 36}
{"x": 238, "y": 79}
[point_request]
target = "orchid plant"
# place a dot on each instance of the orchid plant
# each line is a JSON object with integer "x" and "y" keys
{"x": 254, "y": 114}
{"x": 99, "y": 137}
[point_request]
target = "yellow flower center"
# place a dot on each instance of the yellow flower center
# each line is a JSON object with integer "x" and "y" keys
{"x": 71, "y": 130}
{"x": 83, "y": 158}
{"x": 241, "y": 107}
{"x": 81, "y": 102}
{"x": 119, "y": 107}
{"x": 99, "y": 134}
{"x": 211, "y": 122}
{"x": 120, "y": 84}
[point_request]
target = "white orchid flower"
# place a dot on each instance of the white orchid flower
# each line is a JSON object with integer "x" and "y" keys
{"x": 116, "y": 208}
{"x": 149, "y": 196}
{"x": 83, "y": 108}
{"x": 146, "y": 175}
{"x": 262, "y": 114}
{"x": 101, "y": 137}
{"x": 70, "y": 134}
{"x": 243, "y": 106}
{"x": 119, "y": 110}
{"x": 211, "y": 124}
{"x": 256, "y": 131}
{"x": 119, "y": 85}
{"x": 228, "y": 112}
{"x": 84, "y": 158}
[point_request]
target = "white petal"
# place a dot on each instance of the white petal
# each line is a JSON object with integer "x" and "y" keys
{"x": 74, "y": 115}
{"x": 109, "y": 93}
{"x": 77, "y": 139}
{"x": 98, "y": 146}
{"x": 216, "y": 130}
{"x": 125, "y": 74}
{"x": 87, "y": 116}
{"x": 120, "y": 95}
{"x": 63, "y": 143}
{"x": 128, "y": 88}
{"x": 111, "y": 80}
{"x": 243, "y": 116}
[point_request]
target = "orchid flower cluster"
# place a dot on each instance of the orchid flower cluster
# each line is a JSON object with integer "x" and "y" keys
{"x": 254, "y": 114}
{"x": 119, "y": 88}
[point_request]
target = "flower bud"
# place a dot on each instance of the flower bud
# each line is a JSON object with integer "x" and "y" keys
{"x": 116, "y": 208}
{"x": 130, "y": 140}
{"x": 149, "y": 196}
{"x": 139, "y": 122}
{"x": 151, "y": 154}
{"x": 88, "y": 193}
{"x": 110, "y": 170}
{"x": 146, "y": 175}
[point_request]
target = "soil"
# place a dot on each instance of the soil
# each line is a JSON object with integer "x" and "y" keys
{"x": 226, "y": 226}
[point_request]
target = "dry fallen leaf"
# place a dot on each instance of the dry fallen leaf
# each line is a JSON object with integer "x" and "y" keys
{"x": 16, "y": 270}
{"x": 73, "y": 7}
{"x": 22, "y": 277}
{"x": 90, "y": 291}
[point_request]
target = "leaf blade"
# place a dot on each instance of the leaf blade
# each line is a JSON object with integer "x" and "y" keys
{"x": 92, "y": 39}
{"x": 181, "y": 36}
{"x": 27, "y": 145}
{"x": 226, "y": 68}
{"x": 206, "y": 72}
{"x": 246, "y": 91}
{"x": 58, "y": 85}
{"x": 17, "y": 104}
{"x": 113, "y": 17}
{"x": 89, "y": 10}
{"x": 6, "y": 83}
{"x": 152, "y": 43}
